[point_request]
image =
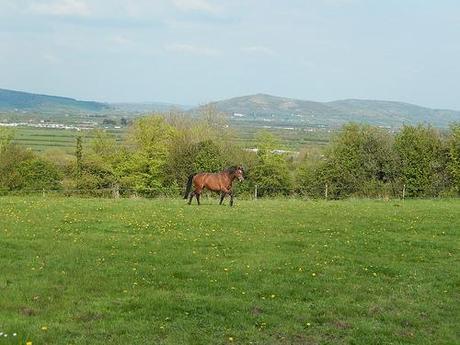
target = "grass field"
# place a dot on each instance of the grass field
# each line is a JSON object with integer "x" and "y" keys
{"x": 100, "y": 271}
{"x": 42, "y": 139}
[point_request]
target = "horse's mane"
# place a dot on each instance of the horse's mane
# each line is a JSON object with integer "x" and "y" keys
{"x": 231, "y": 169}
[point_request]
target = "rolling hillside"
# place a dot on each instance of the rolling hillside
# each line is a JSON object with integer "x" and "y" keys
{"x": 23, "y": 101}
{"x": 336, "y": 113}
{"x": 253, "y": 110}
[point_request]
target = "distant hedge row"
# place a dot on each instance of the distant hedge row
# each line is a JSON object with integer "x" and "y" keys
{"x": 371, "y": 162}
{"x": 160, "y": 152}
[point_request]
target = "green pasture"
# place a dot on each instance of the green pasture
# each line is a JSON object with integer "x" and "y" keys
{"x": 43, "y": 139}
{"x": 137, "y": 271}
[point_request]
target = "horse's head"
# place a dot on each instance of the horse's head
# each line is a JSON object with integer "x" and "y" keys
{"x": 239, "y": 173}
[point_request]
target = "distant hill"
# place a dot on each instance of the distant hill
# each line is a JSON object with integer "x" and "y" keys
{"x": 254, "y": 110}
{"x": 23, "y": 101}
{"x": 336, "y": 113}
{"x": 142, "y": 108}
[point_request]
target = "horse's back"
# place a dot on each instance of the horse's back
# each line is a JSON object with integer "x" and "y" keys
{"x": 211, "y": 181}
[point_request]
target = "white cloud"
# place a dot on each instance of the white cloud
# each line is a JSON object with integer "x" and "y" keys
{"x": 62, "y": 8}
{"x": 191, "y": 50}
{"x": 261, "y": 50}
{"x": 196, "y": 5}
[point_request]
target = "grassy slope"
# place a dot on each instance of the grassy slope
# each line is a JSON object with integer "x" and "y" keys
{"x": 267, "y": 272}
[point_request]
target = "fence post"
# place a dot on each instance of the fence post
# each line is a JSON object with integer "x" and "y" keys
{"x": 404, "y": 191}
{"x": 116, "y": 191}
{"x": 255, "y": 193}
{"x": 325, "y": 192}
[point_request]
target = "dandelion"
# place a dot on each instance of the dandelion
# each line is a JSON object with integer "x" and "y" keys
{"x": 313, "y": 274}
{"x": 44, "y": 328}
{"x": 230, "y": 338}
{"x": 272, "y": 296}
{"x": 29, "y": 343}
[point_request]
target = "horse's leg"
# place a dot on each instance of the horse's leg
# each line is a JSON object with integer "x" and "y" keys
{"x": 231, "y": 198}
{"x": 192, "y": 194}
{"x": 198, "y": 192}
{"x": 222, "y": 196}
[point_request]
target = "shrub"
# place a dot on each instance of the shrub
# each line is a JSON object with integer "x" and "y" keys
{"x": 421, "y": 160}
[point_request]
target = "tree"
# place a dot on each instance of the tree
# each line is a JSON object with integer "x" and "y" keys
{"x": 421, "y": 160}
{"x": 110, "y": 122}
{"x": 202, "y": 144}
{"x": 103, "y": 144}
{"x": 149, "y": 141}
{"x": 271, "y": 172}
{"x": 453, "y": 147}
{"x": 310, "y": 179}
{"x": 207, "y": 157}
{"x": 79, "y": 155}
{"x": 359, "y": 161}
{"x": 124, "y": 121}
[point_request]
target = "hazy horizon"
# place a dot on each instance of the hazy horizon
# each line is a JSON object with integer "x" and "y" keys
{"x": 186, "y": 106}
{"x": 192, "y": 52}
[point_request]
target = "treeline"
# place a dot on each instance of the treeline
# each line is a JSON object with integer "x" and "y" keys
{"x": 159, "y": 152}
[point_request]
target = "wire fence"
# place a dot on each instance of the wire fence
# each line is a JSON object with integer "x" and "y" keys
{"x": 100, "y": 192}
{"x": 116, "y": 192}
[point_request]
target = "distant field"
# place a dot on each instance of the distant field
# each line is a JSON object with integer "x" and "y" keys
{"x": 100, "y": 271}
{"x": 291, "y": 138}
{"x": 42, "y": 139}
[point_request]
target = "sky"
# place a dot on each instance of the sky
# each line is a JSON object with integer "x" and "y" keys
{"x": 195, "y": 51}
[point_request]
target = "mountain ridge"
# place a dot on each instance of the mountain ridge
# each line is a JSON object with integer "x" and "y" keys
{"x": 257, "y": 107}
{"x": 21, "y": 100}
{"x": 376, "y": 112}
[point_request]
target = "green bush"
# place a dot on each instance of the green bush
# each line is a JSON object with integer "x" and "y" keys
{"x": 359, "y": 162}
{"x": 421, "y": 161}
{"x": 271, "y": 172}
{"x": 21, "y": 169}
{"x": 453, "y": 165}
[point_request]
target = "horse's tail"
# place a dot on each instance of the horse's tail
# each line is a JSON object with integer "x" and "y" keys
{"x": 189, "y": 186}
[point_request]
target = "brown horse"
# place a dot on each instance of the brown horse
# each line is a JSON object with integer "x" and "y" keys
{"x": 218, "y": 182}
